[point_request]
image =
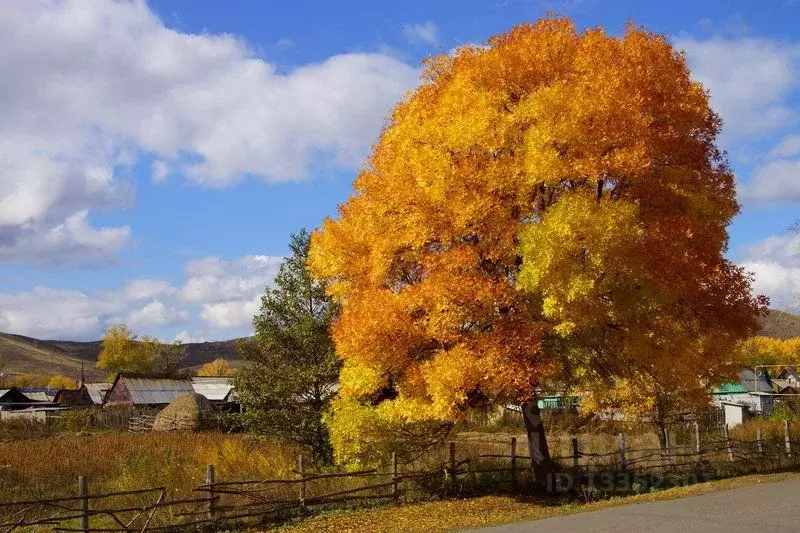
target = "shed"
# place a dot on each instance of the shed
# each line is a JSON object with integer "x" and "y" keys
{"x": 215, "y": 389}
{"x": 145, "y": 390}
{"x": 13, "y": 398}
{"x": 79, "y": 397}
{"x": 735, "y": 413}
{"x": 97, "y": 391}
{"x": 40, "y": 395}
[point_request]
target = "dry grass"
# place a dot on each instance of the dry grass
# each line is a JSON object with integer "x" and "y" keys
{"x": 123, "y": 461}
{"x": 449, "y": 515}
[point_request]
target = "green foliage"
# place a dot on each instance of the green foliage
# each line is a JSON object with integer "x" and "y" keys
{"x": 77, "y": 419}
{"x": 783, "y": 411}
{"x": 294, "y": 369}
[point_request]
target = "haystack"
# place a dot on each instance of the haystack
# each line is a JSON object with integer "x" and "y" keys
{"x": 187, "y": 412}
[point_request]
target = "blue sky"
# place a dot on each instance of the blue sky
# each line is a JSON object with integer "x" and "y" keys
{"x": 155, "y": 157}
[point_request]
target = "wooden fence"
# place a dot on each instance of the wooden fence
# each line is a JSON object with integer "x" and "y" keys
{"x": 226, "y": 502}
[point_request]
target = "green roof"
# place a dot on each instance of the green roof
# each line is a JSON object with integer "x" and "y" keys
{"x": 729, "y": 388}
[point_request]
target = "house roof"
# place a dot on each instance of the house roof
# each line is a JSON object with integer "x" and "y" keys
{"x": 78, "y": 397}
{"x": 40, "y": 395}
{"x": 749, "y": 382}
{"x": 14, "y": 396}
{"x": 788, "y": 371}
{"x": 215, "y": 389}
{"x": 145, "y": 390}
{"x": 97, "y": 391}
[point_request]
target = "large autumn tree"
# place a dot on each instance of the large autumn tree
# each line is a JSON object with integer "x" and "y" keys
{"x": 550, "y": 208}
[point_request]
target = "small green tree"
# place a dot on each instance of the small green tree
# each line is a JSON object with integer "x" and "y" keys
{"x": 294, "y": 369}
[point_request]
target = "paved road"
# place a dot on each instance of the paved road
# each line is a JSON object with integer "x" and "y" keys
{"x": 760, "y": 508}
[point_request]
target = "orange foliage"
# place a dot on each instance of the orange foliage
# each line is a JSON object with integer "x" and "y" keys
{"x": 550, "y": 207}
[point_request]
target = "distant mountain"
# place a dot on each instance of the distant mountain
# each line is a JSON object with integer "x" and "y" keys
{"x": 780, "y": 325}
{"x": 26, "y": 355}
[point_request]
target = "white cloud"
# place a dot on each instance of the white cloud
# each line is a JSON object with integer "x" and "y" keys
{"x": 775, "y": 262}
{"x": 156, "y": 313}
{"x": 788, "y": 147}
{"x": 426, "y": 33}
{"x": 93, "y": 85}
{"x": 73, "y": 240}
{"x": 232, "y": 314}
{"x": 217, "y": 299}
{"x": 185, "y": 337}
{"x": 213, "y": 279}
{"x": 750, "y": 81}
{"x": 55, "y": 314}
{"x": 775, "y": 181}
{"x": 159, "y": 171}
{"x": 142, "y": 289}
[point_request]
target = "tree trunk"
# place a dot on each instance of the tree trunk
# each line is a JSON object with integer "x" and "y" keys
{"x": 541, "y": 463}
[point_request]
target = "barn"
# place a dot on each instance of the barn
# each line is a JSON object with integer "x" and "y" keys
{"x": 140, "y": 390}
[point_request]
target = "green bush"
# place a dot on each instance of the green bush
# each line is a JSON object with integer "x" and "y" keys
{"x": 77, "y": 419}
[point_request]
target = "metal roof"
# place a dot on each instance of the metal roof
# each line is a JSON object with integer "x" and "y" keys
{"x": 149, "y": 391}
{"x": 97, "y": 391}
{"x": 39, "y": 396}
{"x": 213, "y": 388}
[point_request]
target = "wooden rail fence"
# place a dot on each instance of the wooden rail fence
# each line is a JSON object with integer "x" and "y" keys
{"x": 226, "y": 502}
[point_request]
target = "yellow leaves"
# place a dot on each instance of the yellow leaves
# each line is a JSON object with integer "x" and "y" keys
{"x": 580, "y": 250}
{"x": 770, "y": 351}
{"x": 589, "y": 158}
{"x": 217, "y": 368}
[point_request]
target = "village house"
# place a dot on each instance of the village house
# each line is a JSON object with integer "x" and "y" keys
{"x": 139, "y": 390}
{"x": 753, "y": 390}
{"x": 79, "y": 397}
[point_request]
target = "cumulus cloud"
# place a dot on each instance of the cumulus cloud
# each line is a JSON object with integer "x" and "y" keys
{"x": 95, "y": 85}
{"x": 74, "y": 239}
{"x": 775, "y": 181}
{"x": 231, "y": 314}
{"x": 52, "y": 313}
{"x": 229, "y": 290}
{"x": 156, "y": 313}
{"x": 788, "y": 147}
{"x": 213, "y": 279}
{"x": 750, "y": 80}
{"x": 426, "y": 33}
{"x": 141, "y": 289}
{"x": 217, "y": 298}
{"x": 775, "y": 262}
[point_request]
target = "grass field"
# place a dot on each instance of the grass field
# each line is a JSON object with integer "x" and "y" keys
{"x": 125, "y": 461}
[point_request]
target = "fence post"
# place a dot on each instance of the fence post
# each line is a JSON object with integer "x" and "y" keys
{"x": 697, "y": 437}
{"x": 83, "y": 492}
{"x": 301, "y": 473}
{"x": 395, "y": 487}
{"x": 623, "y": 449}
{"x": 759, "y": 443}
{"x": 514, "y": 461}
{"x": 670, "y": 455}
{"x": 575, "y": 453}
{"x": 453, "y": 462}
{"x": 728, "y": 443}
{"x": 787, "y": 439}
{"x": 210, "y": 479}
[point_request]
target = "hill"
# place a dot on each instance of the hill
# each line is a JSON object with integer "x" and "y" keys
{"x": 780, "y": 325}
{"x": 26, "y": 355}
